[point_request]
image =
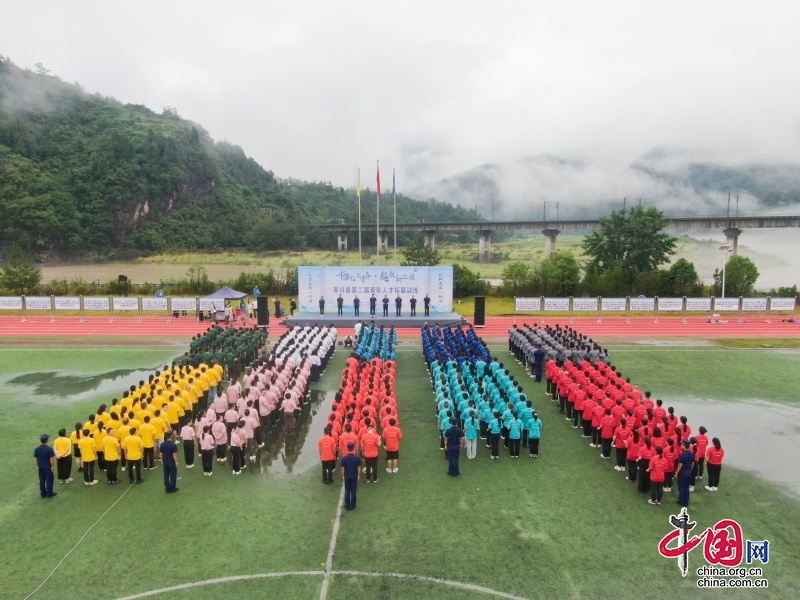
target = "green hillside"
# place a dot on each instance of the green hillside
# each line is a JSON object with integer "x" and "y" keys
{"x": 85, "y": 175}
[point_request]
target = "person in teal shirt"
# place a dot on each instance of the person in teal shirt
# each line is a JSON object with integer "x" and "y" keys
{"x": 495, "y": 427}
{"x": 525, "y": 416}
{"x": 534, "y": 434}
{"x": 471, "y": 425}
{"x": 514, "y": 434}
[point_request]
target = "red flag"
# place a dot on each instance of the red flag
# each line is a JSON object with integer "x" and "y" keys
{"x": 379, "y": 179}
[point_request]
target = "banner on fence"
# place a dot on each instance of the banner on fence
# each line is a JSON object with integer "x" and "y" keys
{"x": 67, "y": 302}
{"x": 698, "y": 304}
{"x": 556, "y": 304}
{"x": 38, "y": 303}
{"x": 154, "y": 304}
{"x": 584, "y": 304}
{"x": 670, "y": 304}
{"x": 527, "y": 304}
{"x": 187, "y": 304}
{"x": 212, "y": 304}
{"x": 782, "y": 303}
{"x": 329, "y": 282}
{"x": 613, "y": 304}
{"x": 726, "y": 304}
{"x": 643, "y": 304}
{"x": 122, "y": 304}
{"x": 754, "y": 304}
{"x": 96, "y": 303}
{"x": 11, "y": 303}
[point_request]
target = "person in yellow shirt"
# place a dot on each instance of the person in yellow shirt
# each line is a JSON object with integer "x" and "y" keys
{"x": 161, "y": 428}
{"x": 63, "y": 449}
{"x": 122, "y": 434}
{"x": 76, "y": 449}
{"x": 88, "y": 456}
{"x": 134, "y": 450}
{"x": 98, "y": 435}
{"x": 170, "y": 412}
{"x": 111, "y": 451}
{"x": 148, "y": 434}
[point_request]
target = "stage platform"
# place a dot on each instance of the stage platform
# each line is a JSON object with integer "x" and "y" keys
{"x": 310, "y": 319}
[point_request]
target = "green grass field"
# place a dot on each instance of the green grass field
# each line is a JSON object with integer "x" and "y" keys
{"x": 563, "y": 526}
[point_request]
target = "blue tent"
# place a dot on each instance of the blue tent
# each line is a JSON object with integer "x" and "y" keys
{"x": 227, "y": 294}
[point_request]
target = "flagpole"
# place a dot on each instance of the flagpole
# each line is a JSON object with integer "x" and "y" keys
{"x": 358, "y": 193}
{"x": 394, "y": 205}
{"x": 378, "y": 219}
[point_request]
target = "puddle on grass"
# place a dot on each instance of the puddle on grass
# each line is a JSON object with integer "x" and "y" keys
{"x": 757, "y": 436}
{"x": 295, "y": 452}
{"x": 72, "y": 388}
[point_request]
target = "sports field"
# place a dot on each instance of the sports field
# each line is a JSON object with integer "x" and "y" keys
{"x": 565, "y": 525}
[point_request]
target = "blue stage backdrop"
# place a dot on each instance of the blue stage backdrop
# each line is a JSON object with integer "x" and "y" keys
{"x": 329, "y": 282}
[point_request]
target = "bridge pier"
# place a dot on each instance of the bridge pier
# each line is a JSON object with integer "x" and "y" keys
{"x": 383, "y": 242}
{"x": 342, "y": 242}
{"x": 484, "y": 242}
{"x": 732, "y": 238}
{"x": 430, "y": 238}
{"x": 550, "y": 236}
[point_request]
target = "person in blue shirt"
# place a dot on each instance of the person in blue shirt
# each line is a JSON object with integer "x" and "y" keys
{"x": 534, "y": 434}
{"x": 169, "y": 458}
{"x": 322, "y": 305}
{"x": 495, "y": 427}
{"x": 339, "y": 305}
{"x": 385, "y": 303}
{"x": 514, "y": 435}
{"x": 538, "y": 362}
{"x": 351, "y": 470}
{"x": 45, "y": 458}
{"x": 471, "y": 426}
{"x": 683, "y": 472}
{"x": 454, "y": 436}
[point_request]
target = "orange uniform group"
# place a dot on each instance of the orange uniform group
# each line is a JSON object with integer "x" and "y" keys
{"x": 364, "y": 412}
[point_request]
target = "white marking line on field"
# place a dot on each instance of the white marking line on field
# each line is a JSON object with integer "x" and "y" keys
{"x": 323, "y": 593}
{"x": 79, "y": 541}
{"x": 235, "y": 578}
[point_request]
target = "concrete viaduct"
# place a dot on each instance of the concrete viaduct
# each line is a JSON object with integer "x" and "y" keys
{"x": 731, "y": 227}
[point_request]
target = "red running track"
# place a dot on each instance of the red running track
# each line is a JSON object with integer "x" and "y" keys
{"x": 610, "y": 327}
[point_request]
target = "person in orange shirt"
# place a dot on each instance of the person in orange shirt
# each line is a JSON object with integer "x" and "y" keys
{"x": 370, "y": 444}
{"x": 391, "y": 438}
{"x": 327, "y": 454}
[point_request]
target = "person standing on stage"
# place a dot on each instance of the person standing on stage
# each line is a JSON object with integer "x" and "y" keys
{"x": 413, "y": 304}
{"x": 45, "y": 458}
{"x": 356, "y": 305}
{"x": 398, "y": 306}
{"x": 385, "y": 303}
{"x": 322, "y": 305}
{"x": 292, "y": 306}
{"x": 351, "y": 470}
{"x": 277, "y": 304}
{"x": 426, "y": 301}
{"x": 373, "y": 304}
{"x": 339, "y": 305}
{"x": 169, "y": 459}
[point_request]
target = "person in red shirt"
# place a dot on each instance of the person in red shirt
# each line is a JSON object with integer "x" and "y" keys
{"x": 327, "y": 454}
{"x": 347, "y": 436}
{"x": 391, "y": 438}
{"x": 606, "y": 434}
{"x": 656, "y": 469}
{"x": 588, "y": 408}
{"x": 597, "y": 414}
{"x": 620, "y": 440}
{"x": 669, "y": 455}
{"x": 370, "y": 443}
{"x": 700, "y": 455}
{"x": 634, "y": 444}
{"x": 714, "y": 454}
{"x": 646, "y": 452}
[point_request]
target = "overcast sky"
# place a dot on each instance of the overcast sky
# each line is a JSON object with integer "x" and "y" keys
{"x": 314, "y": 89}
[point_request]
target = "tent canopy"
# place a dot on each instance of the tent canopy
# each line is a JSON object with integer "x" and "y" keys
{"x": 227, "y": 293}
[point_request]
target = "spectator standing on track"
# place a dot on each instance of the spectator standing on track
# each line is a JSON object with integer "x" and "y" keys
{"x": 45, "y": 458}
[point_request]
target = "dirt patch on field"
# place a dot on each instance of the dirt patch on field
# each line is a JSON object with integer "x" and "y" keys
{"x": 758, "y": 436}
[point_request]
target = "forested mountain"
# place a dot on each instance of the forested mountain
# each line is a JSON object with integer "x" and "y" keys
{"x": 83, "y": 174}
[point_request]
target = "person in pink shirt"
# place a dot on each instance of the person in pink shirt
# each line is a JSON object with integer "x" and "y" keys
{"x": 207, "y": 450}
{"x": 187, "y": 439}
{"x": 234, "y": 391}
{"x": 288, "y": 407}
{"x": 220, "y": 404}
{"x": 220, "y": 433}
{"x": 237, "y": 444}
{"x": 249, "y": 425}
